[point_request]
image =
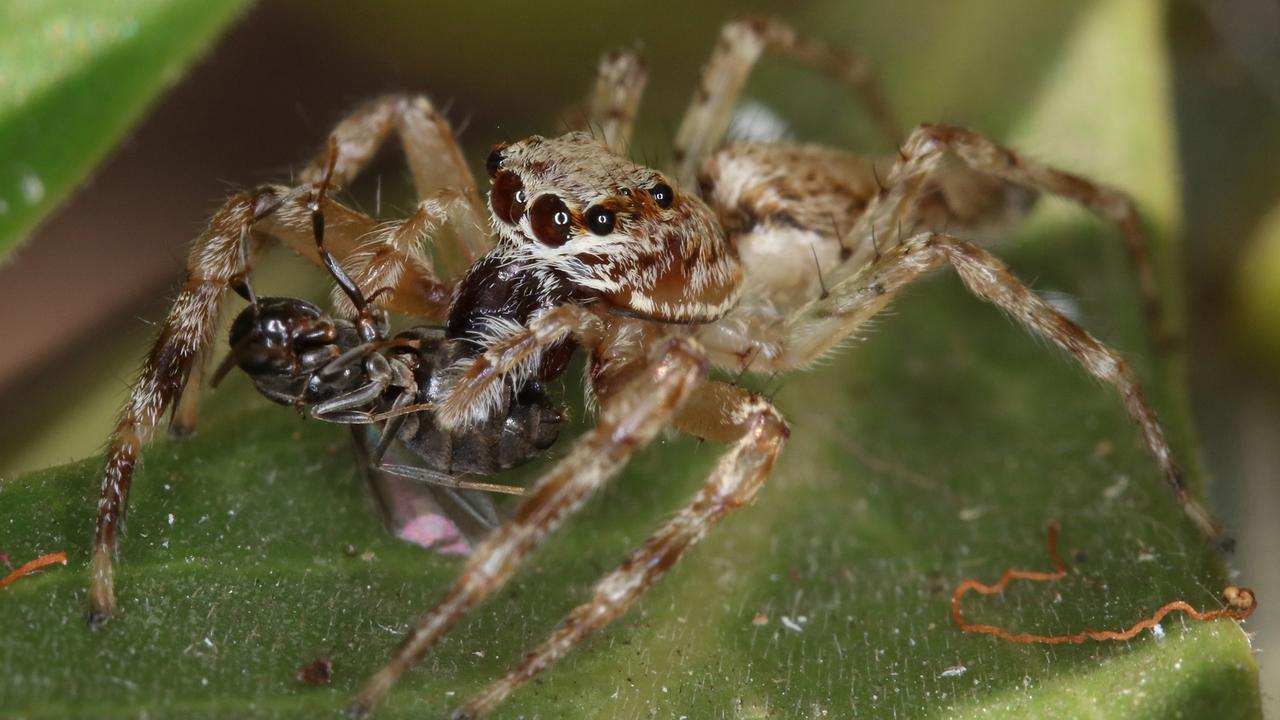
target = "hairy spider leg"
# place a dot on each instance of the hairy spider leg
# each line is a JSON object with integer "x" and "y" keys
{"x": 609, "y": 111}
{"x": 921, "y": 158}
{"x": 717, "y": 411}
{"x": 216, "y": 262}
{"x": 628, "y": 422}
{"x": 434, "y": 158}
{"x": 825, "y": 322}
{"x": 741, "y": 45}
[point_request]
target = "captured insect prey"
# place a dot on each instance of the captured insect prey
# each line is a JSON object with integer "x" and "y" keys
{"x": 756, "y": 257}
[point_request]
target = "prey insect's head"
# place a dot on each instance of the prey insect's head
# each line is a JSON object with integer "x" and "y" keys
{"x": 611, "y": 229}
{"x": 282, "y": 342}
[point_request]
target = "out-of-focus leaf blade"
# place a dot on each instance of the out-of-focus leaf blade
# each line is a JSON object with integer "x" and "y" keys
{"x": 74, "y": 77}
{"x": 936, "y": 450}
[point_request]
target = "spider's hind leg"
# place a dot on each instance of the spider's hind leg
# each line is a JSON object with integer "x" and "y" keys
{"x": 741, "y": 45}
{"x": 822, "y": 324}
{"x": 919, "y": 171}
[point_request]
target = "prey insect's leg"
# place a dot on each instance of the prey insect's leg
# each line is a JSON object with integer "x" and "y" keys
{"x": 715, "y": 411}
{"x": 740, "y": 46}
{"x": 629, "y": 421}
{"x": 823, "y": 323}
{"x": 215, "y": 263}
{"x": 434, "y": 158}
{"x": 922, "y": 154}
{"x": 612, "y": 105}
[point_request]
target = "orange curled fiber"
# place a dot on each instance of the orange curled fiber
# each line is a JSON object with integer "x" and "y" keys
{"x": 32, "y": 567}
{"x": 1241, "y": 602}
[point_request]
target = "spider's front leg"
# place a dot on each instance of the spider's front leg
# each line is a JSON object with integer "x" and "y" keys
{"x": 216, "y": 263}
{"x": 629, "y": 420}
{"x": 716, "y": 411}
{"x": 219, "y": 259}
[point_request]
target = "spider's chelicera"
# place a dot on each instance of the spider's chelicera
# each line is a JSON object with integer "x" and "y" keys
{"x": 756, "y": 257}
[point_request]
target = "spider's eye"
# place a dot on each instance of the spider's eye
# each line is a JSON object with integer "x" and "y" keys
{"x": 551, "y": 221}
{"x": 507, "y": 197}
{"x": 663, "y": 195}
{"x": 600, "y": 220}
{"x": 495, "y": 159}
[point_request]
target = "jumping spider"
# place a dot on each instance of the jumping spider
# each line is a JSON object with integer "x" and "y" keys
{"x": 658, "y": 275}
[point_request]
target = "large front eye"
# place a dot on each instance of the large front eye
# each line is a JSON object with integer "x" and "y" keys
{"x": 506, "y": 197}
{"x": 551, "y": 221}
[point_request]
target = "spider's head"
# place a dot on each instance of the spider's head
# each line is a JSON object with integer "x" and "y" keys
{"x": 611, "y": 230}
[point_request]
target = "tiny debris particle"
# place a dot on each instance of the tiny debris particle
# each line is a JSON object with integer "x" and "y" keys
{"x": 971, "y": 514}
{"x": 790, "y": 624}
{"x": 169, "y": 518}
{"x": 367, "y": 556}
{"x": 760, "y": 619}
{"x": 1115, "y": 489}
{"x": 317, "y": 672}
{"x": 32, "y": 189}
{"x": 1158, "y": 631}
{"x": 954, "y": 671}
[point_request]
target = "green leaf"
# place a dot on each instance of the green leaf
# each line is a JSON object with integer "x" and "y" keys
{"x": 935, "y": 450}
{"x": 75, "y": 75}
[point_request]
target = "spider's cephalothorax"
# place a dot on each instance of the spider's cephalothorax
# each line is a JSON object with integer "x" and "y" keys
{"x": 782, "y": 252}
{"x": 602, "y": 227}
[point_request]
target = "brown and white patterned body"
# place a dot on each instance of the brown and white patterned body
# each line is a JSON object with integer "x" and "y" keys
{"x": 754, "y": 257}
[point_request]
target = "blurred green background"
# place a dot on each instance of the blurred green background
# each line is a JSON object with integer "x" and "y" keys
{"x": 261, "y": 99}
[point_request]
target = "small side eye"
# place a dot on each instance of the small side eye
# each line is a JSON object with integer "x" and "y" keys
{"x": 600, "y": 220}
{"x": 663, "y": 195}
{"x": 507, "y": 197}
{"x": 495, "y": 160}
{"x": 551, "y": 221}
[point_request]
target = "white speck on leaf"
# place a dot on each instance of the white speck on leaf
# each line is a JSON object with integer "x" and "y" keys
{"x": 954, "y": 671}
{"x": 32, "y": 188}
{"x": 790, "y": 624}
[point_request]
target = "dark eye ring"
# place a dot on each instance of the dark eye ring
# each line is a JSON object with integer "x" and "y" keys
{"x": 600, "y": 220}
{"x": 663, "y": 195}
{"x": 495, "y": 160}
